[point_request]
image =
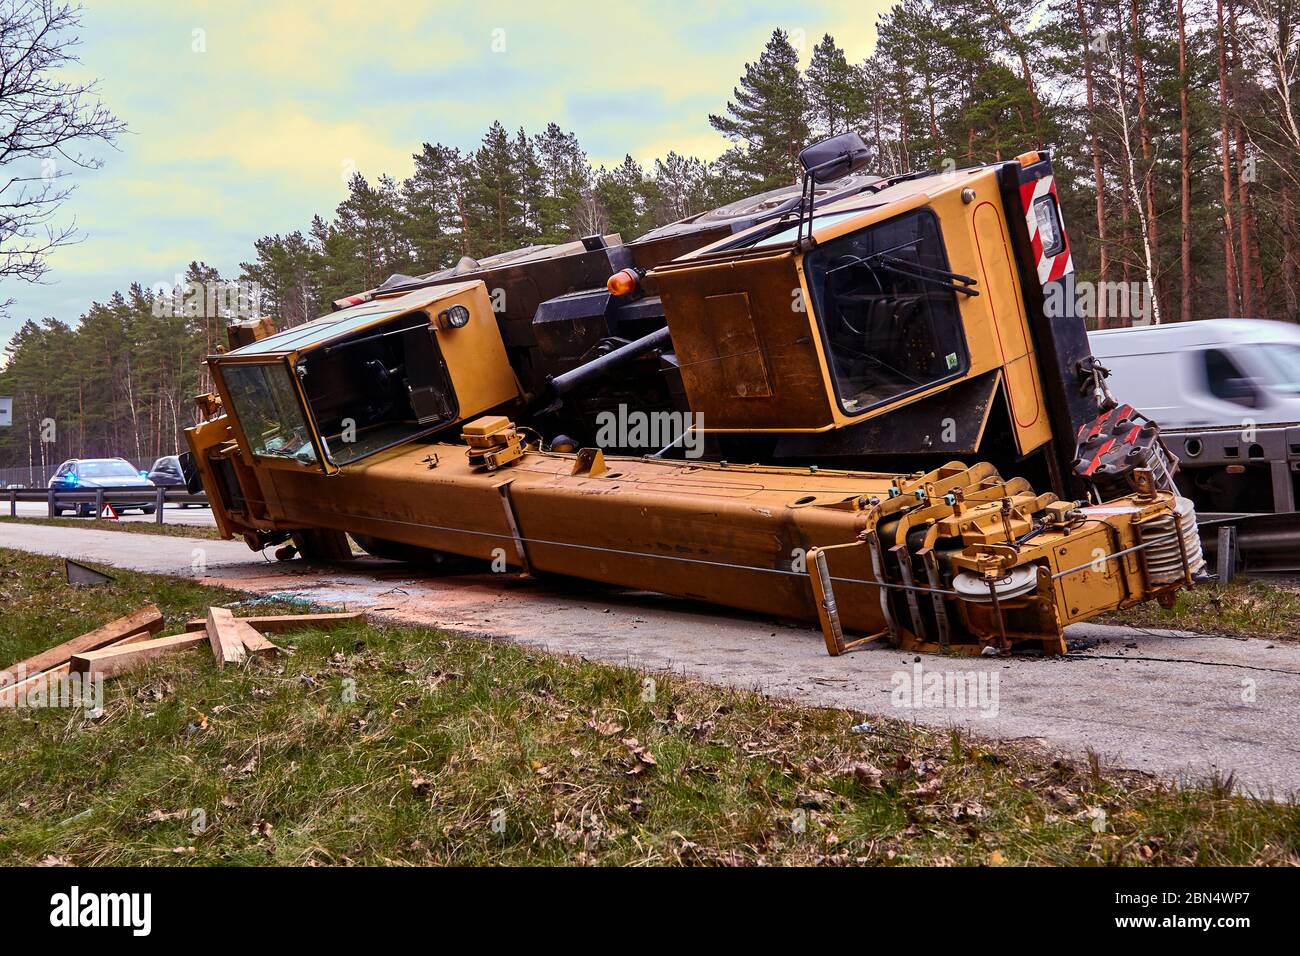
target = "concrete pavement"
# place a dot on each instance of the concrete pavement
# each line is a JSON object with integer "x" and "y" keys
{"x": 1181, "y": 705}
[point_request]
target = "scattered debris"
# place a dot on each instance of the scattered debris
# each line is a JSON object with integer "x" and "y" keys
{"x": 130, "y": 642}
{"x": 21, "y": 678}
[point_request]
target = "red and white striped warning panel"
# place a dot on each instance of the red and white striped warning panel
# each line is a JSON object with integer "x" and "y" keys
{"x": 1046, "y": 229}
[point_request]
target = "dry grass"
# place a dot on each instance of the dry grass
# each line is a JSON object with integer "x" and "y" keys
{"x": 1241, "y": 609}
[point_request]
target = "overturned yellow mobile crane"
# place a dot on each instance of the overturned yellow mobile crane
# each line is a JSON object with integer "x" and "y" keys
{"x": 870, "y": 372}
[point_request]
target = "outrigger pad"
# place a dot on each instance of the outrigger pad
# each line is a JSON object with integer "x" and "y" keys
{"x": 1119, "y": 441}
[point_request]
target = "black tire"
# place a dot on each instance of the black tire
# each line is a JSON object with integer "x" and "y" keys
{"x": 58, "y": 512}
{"x": 148, "y": 509}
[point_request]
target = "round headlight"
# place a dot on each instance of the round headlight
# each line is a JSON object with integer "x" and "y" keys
{"x": 456, "y": 317}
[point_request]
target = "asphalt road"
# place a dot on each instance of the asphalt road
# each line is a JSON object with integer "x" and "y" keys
{"x": 1181, "y": 705}
{"x": 175, "y": 514}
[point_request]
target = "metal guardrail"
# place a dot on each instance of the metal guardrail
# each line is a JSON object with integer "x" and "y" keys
{"x": 124, "y": 497}
{"x": 1251, "y": 543}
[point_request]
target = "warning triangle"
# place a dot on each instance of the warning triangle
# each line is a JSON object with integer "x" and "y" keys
{"x": 108, "y": 511}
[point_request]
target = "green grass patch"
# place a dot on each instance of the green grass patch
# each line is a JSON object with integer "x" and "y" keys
{"x": 174, "y": 530}
{"x": 380, "y": 744}
{"x": 1239, "y": 609}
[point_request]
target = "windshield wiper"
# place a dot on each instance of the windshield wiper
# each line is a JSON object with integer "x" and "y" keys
{"x": 931, "y": 274}
{"x": 935, "y": 276}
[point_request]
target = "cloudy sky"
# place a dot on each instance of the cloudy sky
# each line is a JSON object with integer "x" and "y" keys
{"x": 246, "y": 117}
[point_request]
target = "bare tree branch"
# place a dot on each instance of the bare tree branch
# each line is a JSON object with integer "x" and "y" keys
{"x": 45, "y": 122}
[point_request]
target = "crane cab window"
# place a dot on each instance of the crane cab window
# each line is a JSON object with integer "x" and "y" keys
{"x": 888, "y": 310}
{"x": 272, "y": 420}
{"x": 378, "y": 388}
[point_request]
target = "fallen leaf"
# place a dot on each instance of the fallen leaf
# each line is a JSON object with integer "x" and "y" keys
{"x": 866, "y": 775}
{"x": 967, "y": 808}
{"x": 927, "y": 790}
{"x": 420, "y": 784}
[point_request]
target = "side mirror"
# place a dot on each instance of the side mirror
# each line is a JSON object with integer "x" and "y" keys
{"x": 834, "y": 158}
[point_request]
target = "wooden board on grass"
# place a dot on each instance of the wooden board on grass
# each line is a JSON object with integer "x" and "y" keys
{"x": 281, "y": 623}
{"x": 224, "y": 636}
{"x": 9, "y": 696}
{"x": 253, "y": 641}
{"x": 111, "y": 661}
{"x": 144, "y": 622}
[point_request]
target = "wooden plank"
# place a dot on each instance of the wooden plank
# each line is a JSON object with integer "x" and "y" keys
{"x": 111, "y": 661}
{"x": 135, "y": 638}
{"x": 148, "y": 620}
{"x": 281, "y": 623}
{"x": 10, "y": 695}
{"x": 227, "y": 646}
{"x": 253, "y": 641}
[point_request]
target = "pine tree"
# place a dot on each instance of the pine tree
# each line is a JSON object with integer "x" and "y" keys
{"x": 531, "y": 192}
{"x": 495, "y": 211}
{"x": 626, "y": 194}
{"x": 433, "y": 207}
{"x": 682, "y": 186}
{"x": 832, "y": 92}
{"x": 284, "y": 270}
{"x": 565, "y": 179}
{"x": 767, "y": 117}
{"x": 371, "y": 218}
{"x": 925, "y": 81}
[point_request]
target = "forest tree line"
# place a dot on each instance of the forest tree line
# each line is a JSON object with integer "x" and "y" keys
{"x": 1174, "y": 122}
